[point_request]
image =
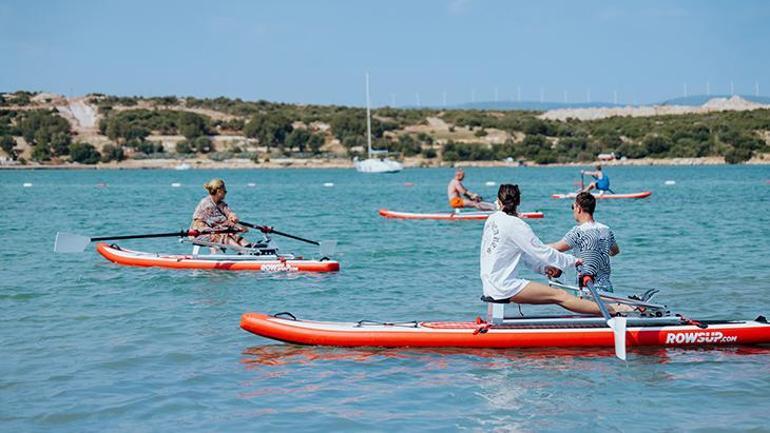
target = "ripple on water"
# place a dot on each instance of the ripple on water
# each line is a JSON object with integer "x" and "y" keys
{"x": 92, "y": 346}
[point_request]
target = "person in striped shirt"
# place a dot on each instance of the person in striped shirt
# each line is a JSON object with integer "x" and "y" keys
{"x": 592, "y": 241}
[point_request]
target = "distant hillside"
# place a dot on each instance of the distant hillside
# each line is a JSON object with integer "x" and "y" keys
{"x": 696, "y": 100}
{"x": 52, "y": 129}
{"x": 530, "y": 105}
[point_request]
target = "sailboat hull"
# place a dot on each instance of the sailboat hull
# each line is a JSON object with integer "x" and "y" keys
{"x": 375, "y": 165}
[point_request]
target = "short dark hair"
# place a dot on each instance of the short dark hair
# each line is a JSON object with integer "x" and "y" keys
{"x": 586, "y": 201}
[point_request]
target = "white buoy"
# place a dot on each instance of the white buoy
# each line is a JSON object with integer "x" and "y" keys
{"x": 490, "y": 183}
{"x": 27, "y": 185}
{"x": 251, "y": 184}
{"x": 176, "y": 185}
{"x": 329, "y": 184}
{"x": 670, "y": 182}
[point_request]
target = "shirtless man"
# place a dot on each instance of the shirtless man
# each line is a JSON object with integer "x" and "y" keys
{"x": 460, "y": 197}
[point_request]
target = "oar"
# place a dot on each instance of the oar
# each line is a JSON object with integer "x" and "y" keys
{"x": 617, "y": 324}
{"x": 327, "y": 247}
{"x": 582, "y": 181}
{"x": 72, "y": 243}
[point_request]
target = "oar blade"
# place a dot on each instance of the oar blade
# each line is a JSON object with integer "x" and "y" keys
{"x": 70, "y": 243}
{"x": 618, "y": 325}
{"x": 328, "y": 248}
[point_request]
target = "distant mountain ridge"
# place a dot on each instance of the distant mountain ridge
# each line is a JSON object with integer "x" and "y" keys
{"x": 695, "y": 100}
{"x": 530, "y": 105}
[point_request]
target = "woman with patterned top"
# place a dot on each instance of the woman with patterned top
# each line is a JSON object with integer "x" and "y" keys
{"x": 212, "y": 213}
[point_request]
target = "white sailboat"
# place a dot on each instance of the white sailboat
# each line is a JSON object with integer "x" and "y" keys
{"x": 374, "y": 164}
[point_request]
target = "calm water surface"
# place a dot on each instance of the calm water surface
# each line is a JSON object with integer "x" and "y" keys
{"x": 91, "y": 346}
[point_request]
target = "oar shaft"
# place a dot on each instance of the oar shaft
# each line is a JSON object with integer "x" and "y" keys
{"x": 295, "y": 237}
{"x": 181, "y": 233}
{"x": 155, "y": 235}
{"x": 270, "y": 230}
{"x": 598, "y": 300}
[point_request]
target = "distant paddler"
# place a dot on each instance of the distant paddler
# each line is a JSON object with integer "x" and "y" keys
{"x": 601, "y": 181}
{"x": 213, "y": 214}
{"x": 508, "y": 244}
{"x": 460, "y": 197}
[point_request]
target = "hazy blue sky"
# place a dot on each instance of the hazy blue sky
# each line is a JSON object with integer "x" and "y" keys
{"x": 318, "y": 51}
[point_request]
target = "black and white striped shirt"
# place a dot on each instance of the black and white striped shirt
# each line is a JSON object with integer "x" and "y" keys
{"x": 592, "y": 242}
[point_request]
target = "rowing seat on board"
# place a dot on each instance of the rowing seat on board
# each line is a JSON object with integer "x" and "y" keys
{"x": 495, "y": 309}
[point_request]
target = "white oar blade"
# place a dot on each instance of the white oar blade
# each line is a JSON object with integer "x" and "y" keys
{"x": 328, "y": 248}
{"x": 70, "y": 243}
{"x": 618, "y": 325}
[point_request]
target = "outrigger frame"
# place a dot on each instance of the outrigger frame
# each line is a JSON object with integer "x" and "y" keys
{"x": 244, "y": 253}
{"x": 653, "y": 315}
{"x": 652, "y": 307}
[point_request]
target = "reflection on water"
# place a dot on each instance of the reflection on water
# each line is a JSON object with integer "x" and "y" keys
{"x": 491, "y": 389}
{"x": 88, "y": 345}
{"x": 555, "y": 358}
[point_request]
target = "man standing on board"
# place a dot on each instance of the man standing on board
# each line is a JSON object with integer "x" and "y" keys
{"x": 460, "y": 197}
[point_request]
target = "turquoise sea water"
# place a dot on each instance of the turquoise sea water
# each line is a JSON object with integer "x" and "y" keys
{"x": 91, "y": 346}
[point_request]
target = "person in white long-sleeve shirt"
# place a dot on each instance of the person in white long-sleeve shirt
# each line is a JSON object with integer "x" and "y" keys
{"x": 507, "y": 243}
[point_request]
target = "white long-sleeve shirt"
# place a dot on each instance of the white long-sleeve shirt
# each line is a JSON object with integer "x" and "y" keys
{"x": 507, "y": 241}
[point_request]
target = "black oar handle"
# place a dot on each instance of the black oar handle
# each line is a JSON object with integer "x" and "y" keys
{"x": 181, "y": 234}
{"x": 266, "y": 229}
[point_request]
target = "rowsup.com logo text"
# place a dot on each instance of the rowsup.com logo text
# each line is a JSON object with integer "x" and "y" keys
{"x": 279, "y": 267}
{"x": 700, "y": 338}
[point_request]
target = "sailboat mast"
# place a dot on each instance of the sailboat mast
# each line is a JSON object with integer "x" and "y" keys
{"x": 368, "y": 119}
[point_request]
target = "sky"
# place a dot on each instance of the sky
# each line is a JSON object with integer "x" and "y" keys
{"x": 426, "y": 52}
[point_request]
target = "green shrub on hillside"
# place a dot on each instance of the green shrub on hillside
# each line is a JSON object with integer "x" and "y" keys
{"x": 453, "y": 151}
{"x": 304, "y": 140}
{"x": 138, "y": 124}
{"x": 8, "y": 144}
{"x": 184, "y": 147}
{"x": 270, "y": 131}
{"x": 112, "y": 153}
{"x": 429, "y": 153}
{"x": 46, "y": 131}
{"x": 84, "y": 153}
{"x": 406, "y": 145}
